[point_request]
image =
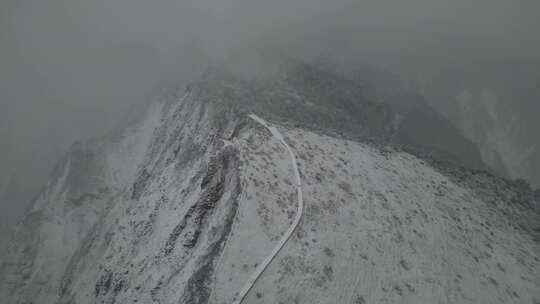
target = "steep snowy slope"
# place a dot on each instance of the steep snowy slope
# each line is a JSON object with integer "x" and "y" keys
{"x": 184, "y": 205}
{"x": 76, "y": 198}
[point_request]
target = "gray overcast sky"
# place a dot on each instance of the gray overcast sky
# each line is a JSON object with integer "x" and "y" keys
{"x": 70, "y": 69}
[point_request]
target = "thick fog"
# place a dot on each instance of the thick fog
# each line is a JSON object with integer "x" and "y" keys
{"x": 70, "y": 70}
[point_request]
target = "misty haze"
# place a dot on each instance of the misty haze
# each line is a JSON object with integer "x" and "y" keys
{"x": 284, "y": 151}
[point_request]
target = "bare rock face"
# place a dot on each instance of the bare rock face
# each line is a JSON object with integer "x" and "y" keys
{"x": 182, "y": 206}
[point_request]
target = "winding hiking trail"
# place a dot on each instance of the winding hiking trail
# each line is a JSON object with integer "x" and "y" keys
{"x": 260, "y": 269}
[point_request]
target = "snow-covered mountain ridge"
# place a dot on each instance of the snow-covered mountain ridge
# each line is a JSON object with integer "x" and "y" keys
{"x": 182, "y": 206}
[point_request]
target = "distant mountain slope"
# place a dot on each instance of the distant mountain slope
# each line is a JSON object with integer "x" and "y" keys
{"x": 4, "y": 236}
{"x": 495, "y": 103}
{"x": 183, "y": 205}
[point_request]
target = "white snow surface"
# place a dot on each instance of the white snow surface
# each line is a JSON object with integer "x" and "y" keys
{"x": 182, "y": 209}
{"x": 377, "y": 229}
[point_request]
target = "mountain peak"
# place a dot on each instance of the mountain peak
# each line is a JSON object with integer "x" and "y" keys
{"x": 184, "y": 205}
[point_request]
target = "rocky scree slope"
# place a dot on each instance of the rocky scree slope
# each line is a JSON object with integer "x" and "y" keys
{"x": 183, "y": 205}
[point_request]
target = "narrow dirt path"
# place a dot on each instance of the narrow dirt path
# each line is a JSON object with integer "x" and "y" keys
{"x": 262, "y": 266}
